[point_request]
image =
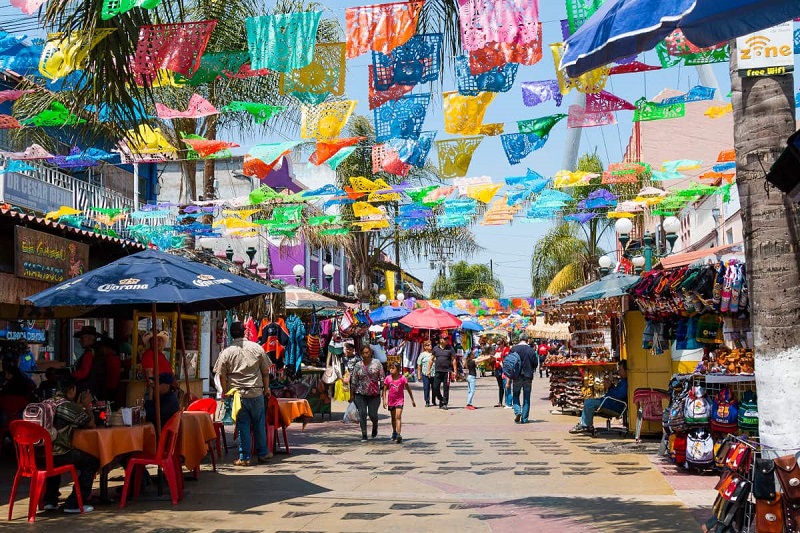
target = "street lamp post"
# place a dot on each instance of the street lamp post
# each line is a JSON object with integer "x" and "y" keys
{"x": 649, "y": 248}
{"x": 605, "y": 265}
{"x": 329, "y": 270}
{"x": 299, "y": 271}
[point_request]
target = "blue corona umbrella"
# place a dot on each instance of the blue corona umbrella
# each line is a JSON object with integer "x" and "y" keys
{"x": 387, "y": 313}
{"x": 471, "y": 325}
{"x": 621, "y": 28}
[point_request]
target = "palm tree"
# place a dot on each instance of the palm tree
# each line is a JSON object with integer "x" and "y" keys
{"x": 467, "y": 282}
{"x": 562, "y": 260}
{"x": 763, "y": 112}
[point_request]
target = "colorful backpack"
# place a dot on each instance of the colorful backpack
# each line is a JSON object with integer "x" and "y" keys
{"x": 674, "y": 418}
{"x": 43, "y": 414}
{"x": 512, "y": 365}
{"x": 748, "y": 412}
{"x": 724, "y": 412}
{"x": 678, "y": 447}
{"x": 699, "y": 449}
{"x": 697, "y": 409}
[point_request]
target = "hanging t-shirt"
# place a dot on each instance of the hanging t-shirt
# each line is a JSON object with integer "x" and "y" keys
{"x": 395, "y": 394}
{"x": 274, "y": 338}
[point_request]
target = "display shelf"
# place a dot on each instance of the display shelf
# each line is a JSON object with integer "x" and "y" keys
{"x": 567, "y": 365}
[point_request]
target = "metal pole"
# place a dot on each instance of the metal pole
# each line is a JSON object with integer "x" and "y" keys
{"x": 135, "y": 186}
{"x": 156, "y": 395}
{"x": 572, "y": 145}
{"x": 648, "y": 258}
{"x": 183, "y": 356}
{"x": 397, "y": 249}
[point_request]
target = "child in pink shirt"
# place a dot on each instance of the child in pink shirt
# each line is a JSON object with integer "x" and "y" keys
{"x": 393, "y": 390}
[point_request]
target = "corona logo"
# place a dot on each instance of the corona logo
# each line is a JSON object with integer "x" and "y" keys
{"x": 128, "y": 281}
{"x": 761, "y": 46}
{"x": 128, "y": 284}
{"x": 206, "y": 280}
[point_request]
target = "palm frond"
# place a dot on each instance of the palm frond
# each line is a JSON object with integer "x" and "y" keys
{"x": 568, "y": 278}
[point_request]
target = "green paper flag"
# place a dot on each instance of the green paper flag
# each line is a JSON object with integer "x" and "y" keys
{"x": 262, "y": 194}
{"x": 335, "y": 231}
{"x": 418, "y": 194}
{"x": 54, "y": 116}
{"x": 579, "y": 11}
{"x": 540, "y": 126}
{"x": 719, "y": 55}
{"x": 261, "y": 112}
{"x": 213, "y": 65}
{"x": 324, "y": 220}
{"x": 652, "y": 111}
{"x": 336, "y": 159}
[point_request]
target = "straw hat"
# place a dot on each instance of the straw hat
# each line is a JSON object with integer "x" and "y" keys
{"x": 149, "y": 335}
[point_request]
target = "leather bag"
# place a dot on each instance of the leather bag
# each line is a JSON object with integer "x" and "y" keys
{"x": 789, "y": 476}
{"x": 791, "y": 513}
{"x": 764, "y": 480}
{"x": 769, "y": 515}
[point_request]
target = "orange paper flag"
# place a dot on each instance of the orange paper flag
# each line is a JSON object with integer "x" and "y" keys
{"x": 328, "y": 148}
{"x": 205, "y": 147}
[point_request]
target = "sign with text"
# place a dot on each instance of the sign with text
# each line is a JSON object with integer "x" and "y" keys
{"x": 48, "y": 258}
{"x": 768, "y": 52}
{"x": 33, "y": 193}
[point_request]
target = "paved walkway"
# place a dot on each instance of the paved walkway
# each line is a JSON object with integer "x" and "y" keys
{"x": 457, "y": 469}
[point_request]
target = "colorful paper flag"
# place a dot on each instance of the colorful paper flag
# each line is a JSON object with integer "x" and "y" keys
{"x": 326, "y": 120}
{"x": 455, "y": 155}
{"x": 519, "y": 145}
{"x": 283, "y": 41}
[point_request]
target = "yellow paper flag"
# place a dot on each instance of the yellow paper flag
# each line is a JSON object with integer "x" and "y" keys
{"x": 326, "y": 120}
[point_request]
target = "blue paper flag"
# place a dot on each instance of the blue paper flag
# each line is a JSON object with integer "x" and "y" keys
{"x": 496, "y": 80}
{"x": 414, "y": 152}
{"x": 402, "y": 118}
{"x": 416, "y": 61}
{"x": 519, "y": 145}
{"x": 697, "y": 93}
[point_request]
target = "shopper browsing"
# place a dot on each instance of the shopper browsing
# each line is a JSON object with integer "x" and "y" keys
{"x": 394, "y": 397}
{"x": 425, "y": 373}
{"x": 365, "y": 390}
{"x": 522, "y": 383}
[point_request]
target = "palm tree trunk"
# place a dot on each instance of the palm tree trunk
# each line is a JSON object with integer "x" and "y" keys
{"x": 763, "y": 111}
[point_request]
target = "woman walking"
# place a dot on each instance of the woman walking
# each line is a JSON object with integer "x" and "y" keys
{"x": 504, "y": 393}
{"x": 365, "y": 390}
{"x": 472, "y": 377}
{"x": 423, "y": 362}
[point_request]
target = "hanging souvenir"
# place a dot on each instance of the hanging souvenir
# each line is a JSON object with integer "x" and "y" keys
{"x": 371, "y": 225}
{"x": 198, "y": 107}
{"x": 325, "y": 121}
{"x": 323, "y": 76}
{"x": 540, "y": 126}
{"x": 78, "y": 158}
{"x": 464, "y": 114}
{"x": 414, "y": 62}
{"x": 328, "y": 148}
{"x": 417, "y": 195}
{"x": 260, "y": 112}
{"x": 386, "y": 159}
{"x": 213, "y": 65}
{"x": 604, "y": 102}
{"x": 284, "y": 41}
{"x": 718, "y": 111}
{"x": 498, "y": 21}
{"x": 148, "y": 140}
{"x": 455, "y": 155}
{"x": 380, "y": 27}
{"x": 495, "y": 55}
{"x": 31, "y": 153}
{"x": 632, "y": 67}
{"x": 698, "y": 93}
{"x": 402, "y": 118}
{"x": 653, "y": 111}
{"x": 63, "y": 211}
{"x": 579, "y": 118}
{"x": 378, "y": 98}
{"x": 537, "y": 92}
{"x": 7, "y": 122}
{"x": 497, "y": 80}
{"x": 414, "y": 152}
{"x": 579, "y": 11}
{"x": 519, "y": 145}
{"x": 63, "y": 54}
{"x": 176, "y": 47}
{"x": 590, "y": 82}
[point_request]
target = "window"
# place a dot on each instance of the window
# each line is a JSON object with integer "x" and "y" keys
{"x": 729, "y": 236}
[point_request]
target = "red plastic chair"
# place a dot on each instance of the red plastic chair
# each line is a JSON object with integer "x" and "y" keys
{"x": 273, "y": 423}
{"x": 165, "y": 458}
{"x": 650, "y": 406}
{"x": 12, "y": 407}
{"x": 209, "y": 405}
{"x": 27, "y": 438}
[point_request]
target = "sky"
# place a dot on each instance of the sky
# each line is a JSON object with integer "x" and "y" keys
{"x": 508, "y": 247}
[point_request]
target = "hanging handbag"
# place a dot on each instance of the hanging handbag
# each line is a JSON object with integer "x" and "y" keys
{"x": 791, "y": 515}
{"x": 764, "y": 480}
{"x": 769, "y": 515}
{"x": 333, "y": 371}
{"x": 313, "y": 344}
{"x": 789, "y": 476}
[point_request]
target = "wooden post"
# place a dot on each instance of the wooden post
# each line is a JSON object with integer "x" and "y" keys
{"x": 156, "y": 395}
{"x": 183, "y": 356}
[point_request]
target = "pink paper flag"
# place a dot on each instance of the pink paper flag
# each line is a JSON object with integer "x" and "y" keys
{"x": 604, "y": 102}
{"x": 633, "y": 66}
{"x": 13, "y": 94}
{"x": 30, "y": 153}
{"x": 498, "y": 21}
{"x": 198, "y": 107}
{"x": 28, "y": 7}
{"x": 579, "y": 118}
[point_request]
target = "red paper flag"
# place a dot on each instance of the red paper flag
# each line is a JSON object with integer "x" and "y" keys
{"x": 328, "y": 148}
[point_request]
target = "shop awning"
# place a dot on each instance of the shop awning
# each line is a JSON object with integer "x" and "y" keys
{"x": 687, "y": 258}
{"x": 610, "y": 286}
{"x": 300, "y": 298}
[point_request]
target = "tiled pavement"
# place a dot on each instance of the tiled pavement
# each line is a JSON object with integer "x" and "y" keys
{"x": 456, "y": 469}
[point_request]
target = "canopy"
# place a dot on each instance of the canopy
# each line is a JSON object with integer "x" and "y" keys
{"x": 300, "y": 298}
{"x": 430, "y": 318}
{"x": 387, "y": 313}
{"x": 153, "y": 277}
{"x": 610, "y": 286}
{"x": 622, "y": 28}
{"x": 558, "y": 331}
{"x": 471, "y": 325}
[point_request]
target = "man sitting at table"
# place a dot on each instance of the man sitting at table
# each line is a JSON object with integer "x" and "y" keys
{"x": 244, "y": 367}
{"x": 70, "y": 416}
{"x": 614, "y": 400}
{"x": 168, "y": 400}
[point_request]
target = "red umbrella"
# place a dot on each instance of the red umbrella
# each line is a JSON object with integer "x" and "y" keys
{"x": 431, "y": 318}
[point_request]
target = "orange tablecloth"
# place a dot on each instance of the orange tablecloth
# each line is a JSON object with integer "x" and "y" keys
{"x": 292, "y": 408}
{"x": 197, "y": 429}
{"x": 108, "y": 443}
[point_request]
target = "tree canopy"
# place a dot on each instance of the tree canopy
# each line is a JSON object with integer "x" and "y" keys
{"x": 466, "y": 281}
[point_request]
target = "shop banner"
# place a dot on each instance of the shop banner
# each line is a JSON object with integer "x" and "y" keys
{"x": 25, "y": 191}
{"x": 32, "y": 331}
{"x": 48, "y": 258}
{"x": 768, "y": 52}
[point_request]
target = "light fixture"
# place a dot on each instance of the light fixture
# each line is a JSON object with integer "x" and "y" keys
{"x": 382, "y": 298}
{"x": 351, "y": 289}
{"x": 671, "y": 225}
{"x": 623, "y": 227}
{"x": 401, "y": 297}
{"x": 604, "y": 262}
{"x": 229, "y": 253}
{"x": 638, "y": 262}
{"x": 329, "y": 270}
{"x": 299, "y": 271}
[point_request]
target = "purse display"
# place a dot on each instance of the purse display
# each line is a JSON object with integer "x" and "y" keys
{"x": 764, "y": 480}
{"x": 769, "y": 515}
{"x": 789, "y": 477}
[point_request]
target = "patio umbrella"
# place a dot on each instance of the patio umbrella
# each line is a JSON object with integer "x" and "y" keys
{"x": 621, "y": 28}
{"x": 151, "y": 278}
{"x": 609, "y": 286}
{"x": 430, "y": 318}
{"x": 387, "y": 313}
{"x": 471, "y": 325}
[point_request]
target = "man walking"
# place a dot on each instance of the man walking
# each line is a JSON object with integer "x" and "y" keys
{"x": 244, "y": 367}
{"x": 443, "y": 361}
{"x": 523, "y": 382}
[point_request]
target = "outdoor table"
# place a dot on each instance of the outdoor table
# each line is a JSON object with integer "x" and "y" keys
{"x": 108, "y": 443}
{"x": 292, "y": 408}
{"x": 197, "y": 429}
